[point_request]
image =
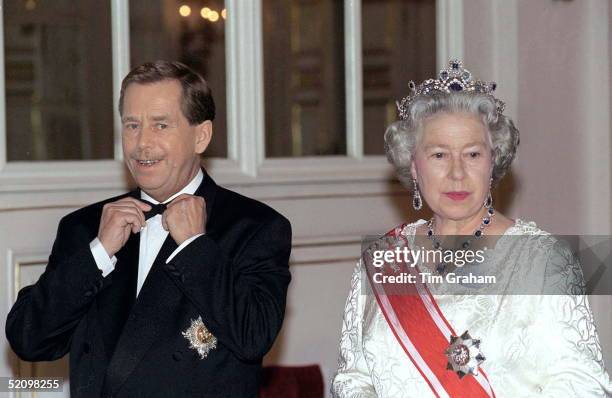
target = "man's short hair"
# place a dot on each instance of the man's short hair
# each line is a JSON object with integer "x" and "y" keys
{"x": 197, "y": 102}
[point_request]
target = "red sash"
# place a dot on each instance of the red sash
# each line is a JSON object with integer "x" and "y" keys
{"x": 418, "y": 324}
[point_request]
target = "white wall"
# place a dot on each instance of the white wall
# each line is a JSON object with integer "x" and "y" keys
{"x": 552, "y": 60}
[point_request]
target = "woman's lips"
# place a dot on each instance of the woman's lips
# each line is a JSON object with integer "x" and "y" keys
{"x": 457, "y": 195}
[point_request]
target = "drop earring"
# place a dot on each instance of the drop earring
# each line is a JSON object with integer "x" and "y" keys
{"x": 488, "y": 203}
{"x": 417, "y": 202}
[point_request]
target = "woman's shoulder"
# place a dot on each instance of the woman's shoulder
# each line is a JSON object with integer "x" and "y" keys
{"x": 546, "y": 258}
{"x": 409, "y": 228}
{"x": 523, "y": 227}
{"x": 520, "y": 227}
{"x": 396, "y": 236}
{"x": 530, "y": 235}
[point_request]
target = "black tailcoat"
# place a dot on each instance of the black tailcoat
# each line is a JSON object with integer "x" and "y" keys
{"x": 235, "y": 277}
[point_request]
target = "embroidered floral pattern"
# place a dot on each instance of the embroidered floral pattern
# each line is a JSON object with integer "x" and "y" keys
{"x": 550, "y": 346}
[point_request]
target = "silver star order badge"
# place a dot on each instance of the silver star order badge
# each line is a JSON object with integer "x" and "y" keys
{"x": 464, "y": 356}
{"x": 200, "y": 338}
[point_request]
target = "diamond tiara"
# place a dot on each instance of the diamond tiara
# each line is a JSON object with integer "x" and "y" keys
{"x": 454, "y": 79}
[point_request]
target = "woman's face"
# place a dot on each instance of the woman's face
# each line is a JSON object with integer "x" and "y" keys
{"x": 453, "y": 165}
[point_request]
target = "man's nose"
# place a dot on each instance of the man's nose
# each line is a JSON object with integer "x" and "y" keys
{"x": 145, "y": 137}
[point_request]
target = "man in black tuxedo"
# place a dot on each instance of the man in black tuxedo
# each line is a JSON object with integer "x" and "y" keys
{"x": 175, "y": 289}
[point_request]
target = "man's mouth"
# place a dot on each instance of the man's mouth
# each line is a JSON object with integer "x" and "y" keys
{"x": 147, "y": 162}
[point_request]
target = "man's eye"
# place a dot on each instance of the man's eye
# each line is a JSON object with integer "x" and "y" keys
{"x": 438, "y": 155}
{"x": 474, "y": 154}
{"x": 131, "y": 126}
{"x": 161, "y": 126}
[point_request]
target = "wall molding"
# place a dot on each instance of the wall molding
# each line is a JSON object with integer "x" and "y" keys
{"x": 245, "y": 98}
{"x": 3, "y": 135}
{"x": 449, "y": 31}
{"x": 354, "y": 78}
{"x": 504, "y": 51}
{"x": 120, "y": 21}
{"x": 16, "y": 260}
{"x": 278, "y": 191}
{"x": 325, "y": 250}
{"x": 595, "y": 96}
{"x": 26, "y": 185}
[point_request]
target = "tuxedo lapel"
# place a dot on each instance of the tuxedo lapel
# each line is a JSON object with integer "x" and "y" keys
{"x": 158, "y": 297}
{"x": 208, "y": 190}
{"x": 115, "y": 300}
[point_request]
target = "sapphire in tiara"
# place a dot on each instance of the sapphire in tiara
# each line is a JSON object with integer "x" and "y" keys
{"x": 454, "y": 79}
{"x": 455, "y": 87}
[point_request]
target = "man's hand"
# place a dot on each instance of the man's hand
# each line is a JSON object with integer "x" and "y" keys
{"x": 185, "y": 217}
{"x": 118, "y": 220}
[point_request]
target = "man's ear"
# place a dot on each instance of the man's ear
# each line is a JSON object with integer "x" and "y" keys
{"x": 203, "y": 135}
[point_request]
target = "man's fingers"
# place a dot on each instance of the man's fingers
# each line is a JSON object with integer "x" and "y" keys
{"x": 141, "y": 205}
{"x": 127, "y": 229}
{"x": 178, "y": 199}
{"x": 164, "y": 222}
{"x": 128, "y": 217}
{"x": 185, "y": 196}
{"x": 130, "y": 208}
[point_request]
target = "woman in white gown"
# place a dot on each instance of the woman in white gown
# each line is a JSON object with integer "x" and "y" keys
{"x": 535, "y": 330}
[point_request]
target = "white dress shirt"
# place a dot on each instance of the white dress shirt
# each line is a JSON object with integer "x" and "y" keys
{"x": 152, "y": 238}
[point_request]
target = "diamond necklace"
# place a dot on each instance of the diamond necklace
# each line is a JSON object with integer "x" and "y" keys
{"x": 486, "y": 220}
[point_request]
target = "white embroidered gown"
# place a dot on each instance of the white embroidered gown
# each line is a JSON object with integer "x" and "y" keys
{"x": 535, "y": 345}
